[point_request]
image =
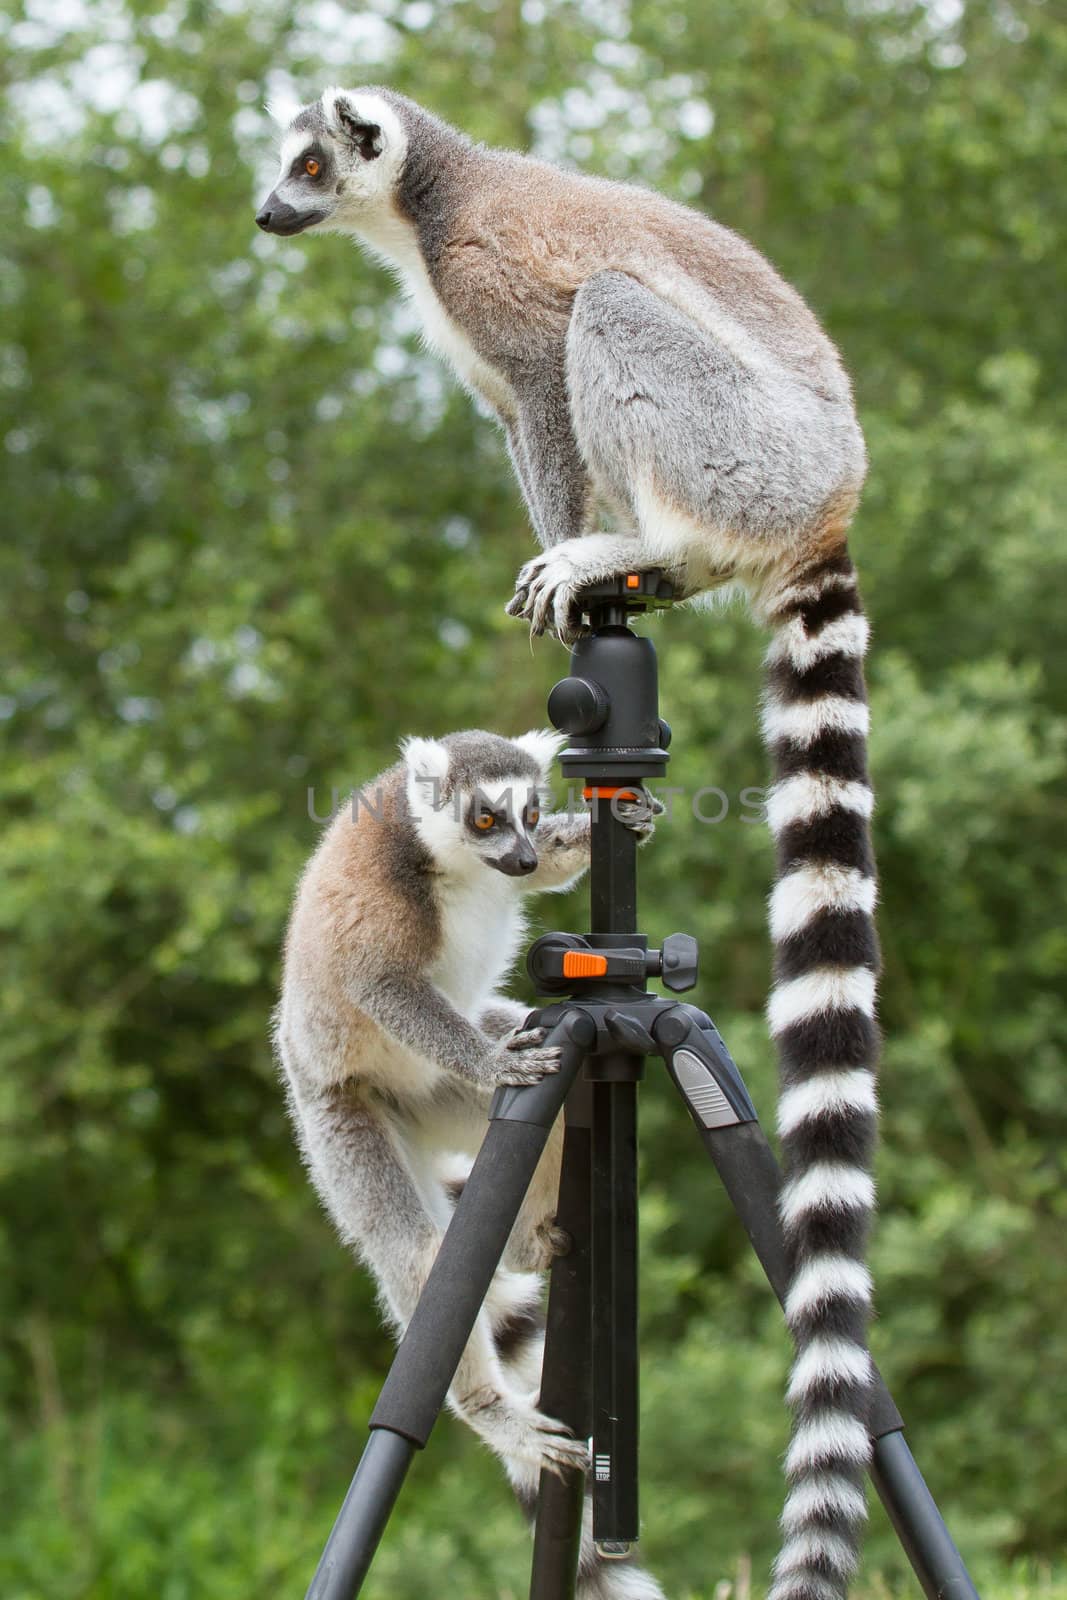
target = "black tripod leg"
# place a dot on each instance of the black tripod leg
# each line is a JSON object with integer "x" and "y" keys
{"x": 566, "y": 1373}
{"x": 917, "y": 1522}
{"x": 708, "y": 1079}
{"x": 419, "y": 1378}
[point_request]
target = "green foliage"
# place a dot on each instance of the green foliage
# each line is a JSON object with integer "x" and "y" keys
{"x": 244, "y": 512}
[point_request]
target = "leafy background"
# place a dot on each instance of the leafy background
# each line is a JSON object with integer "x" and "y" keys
{"x": 254, "y": 535}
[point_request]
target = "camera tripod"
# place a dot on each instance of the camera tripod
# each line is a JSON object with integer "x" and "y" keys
{"x": 606, "y": 1025}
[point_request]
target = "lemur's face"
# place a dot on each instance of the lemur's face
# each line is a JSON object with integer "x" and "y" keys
{"x": 500, "y": 824}
{"x": 340, "y": 159}
{"x": 471, "y": 811}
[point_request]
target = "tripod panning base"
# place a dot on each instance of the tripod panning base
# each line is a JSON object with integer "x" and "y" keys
{"x": 606, "y": 1025}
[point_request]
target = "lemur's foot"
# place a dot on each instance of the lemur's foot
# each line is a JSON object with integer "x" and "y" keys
{"x": 515, "y": 1429}
{"x": 524, "y": 1058}
{"x": 547, "y": 588}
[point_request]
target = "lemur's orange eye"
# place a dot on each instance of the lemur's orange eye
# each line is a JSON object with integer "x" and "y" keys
{"x": 533, "y": 817}
{"x": 312, "y": 167}
{"x": 484, "y": 820}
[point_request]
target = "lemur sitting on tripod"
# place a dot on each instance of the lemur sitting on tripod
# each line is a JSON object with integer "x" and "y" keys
{"x": 647, "y": 361}
{"x": 392, "y": 1038}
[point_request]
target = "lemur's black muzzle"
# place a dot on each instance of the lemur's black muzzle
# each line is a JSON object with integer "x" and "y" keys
{"x": 275, "y": 216}
{"x": 517, "y": 863}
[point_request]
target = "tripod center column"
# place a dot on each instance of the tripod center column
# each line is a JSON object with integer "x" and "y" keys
{"x": 609, "y": 707}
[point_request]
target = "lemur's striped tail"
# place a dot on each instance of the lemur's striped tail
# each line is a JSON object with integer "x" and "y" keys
{"x": 821, "y": 1014}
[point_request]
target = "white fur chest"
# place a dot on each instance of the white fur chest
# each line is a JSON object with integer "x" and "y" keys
{"x": 395, "y": 242}
{"x": 481, "y": 924}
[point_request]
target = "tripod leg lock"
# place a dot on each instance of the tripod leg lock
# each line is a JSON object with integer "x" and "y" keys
{"x": 703, "y": 1070}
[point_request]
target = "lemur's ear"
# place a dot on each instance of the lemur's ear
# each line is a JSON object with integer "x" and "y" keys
{"x": 544, "y": 745}
{"x": 425, "y": 758}
{"x": 363, "y": 135}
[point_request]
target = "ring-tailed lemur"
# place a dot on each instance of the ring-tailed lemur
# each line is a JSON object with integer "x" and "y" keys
{"x": 646, "y": 360}
{"x": 392, "y": 1038}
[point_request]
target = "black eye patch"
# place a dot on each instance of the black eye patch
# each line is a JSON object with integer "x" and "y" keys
{"x": 314, "y": 152}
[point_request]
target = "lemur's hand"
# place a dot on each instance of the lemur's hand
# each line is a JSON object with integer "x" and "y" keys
{"x": 548, "y": 587}
{"x": 640, "y": 815}
{"x": 547, "y": 596}
{"x": 523, "y": 1058}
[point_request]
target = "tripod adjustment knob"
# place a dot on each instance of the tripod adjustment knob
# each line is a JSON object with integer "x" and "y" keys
{"x": 677, "y": 963}
{"x": 628, "y": 1033}
{"x": 577, "y": 705}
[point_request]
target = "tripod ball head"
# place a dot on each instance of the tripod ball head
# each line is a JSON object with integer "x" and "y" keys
{"x": 609, "y": 705}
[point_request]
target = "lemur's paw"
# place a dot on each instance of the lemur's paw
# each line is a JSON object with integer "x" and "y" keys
{"x": 546, "y": 594}
{"x": 640, "y": 815}
{"x": 520, "y": 1432}
{"x": 560, "y": 1451}
{"x": 517, "y": 1430}
{"x": 524, "y": 1058}
{"x": 550, "y": 1242}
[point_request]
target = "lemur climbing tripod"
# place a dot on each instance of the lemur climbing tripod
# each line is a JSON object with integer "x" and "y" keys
{"x": 606, "y": 1025}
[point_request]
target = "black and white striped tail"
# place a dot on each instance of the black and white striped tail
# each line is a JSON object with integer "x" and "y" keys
{"x": 821, "y": 1013}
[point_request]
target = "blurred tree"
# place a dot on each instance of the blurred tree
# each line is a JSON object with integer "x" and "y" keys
{"x": 243, "y": 508}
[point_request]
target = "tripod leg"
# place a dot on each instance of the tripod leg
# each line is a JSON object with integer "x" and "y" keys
{"x": 566, "y": 1374}
{"x": 430, "y": 1352}
{"x": 707, "y": 1078}
{"x": 917, "y": 1522}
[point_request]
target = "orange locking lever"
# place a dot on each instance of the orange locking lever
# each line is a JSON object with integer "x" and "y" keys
{"x": 577, "y": 964}
{"x": 604, "y": 791}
